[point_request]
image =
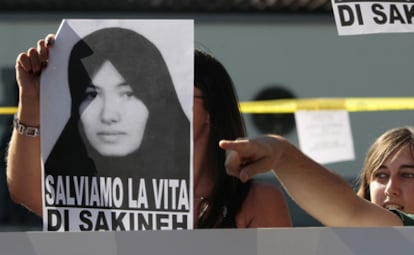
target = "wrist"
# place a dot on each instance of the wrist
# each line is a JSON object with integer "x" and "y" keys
{"x": 28, "y": 113}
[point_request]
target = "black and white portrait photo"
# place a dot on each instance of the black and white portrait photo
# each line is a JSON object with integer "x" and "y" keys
{"x": 122, "y": 159}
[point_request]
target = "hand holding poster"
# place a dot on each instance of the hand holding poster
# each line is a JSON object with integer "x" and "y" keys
{"x": 367, "y": 17}
{"x": 116, "y": 104}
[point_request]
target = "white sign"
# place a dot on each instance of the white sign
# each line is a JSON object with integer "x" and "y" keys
{"x": 116, "y": 114}
{"x": 368, "y": 17}
{"x": 325, "y": 136}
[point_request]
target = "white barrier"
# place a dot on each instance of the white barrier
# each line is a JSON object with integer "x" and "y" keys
{"x": 284, "y": 241}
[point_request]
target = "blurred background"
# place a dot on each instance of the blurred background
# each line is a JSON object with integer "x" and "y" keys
{"x": 272, "y": 48}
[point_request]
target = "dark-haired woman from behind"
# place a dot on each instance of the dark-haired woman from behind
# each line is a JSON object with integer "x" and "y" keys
{"x": 220, "y": 200}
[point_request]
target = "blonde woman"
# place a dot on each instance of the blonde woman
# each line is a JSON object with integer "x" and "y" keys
{"x": 387, "y": 178}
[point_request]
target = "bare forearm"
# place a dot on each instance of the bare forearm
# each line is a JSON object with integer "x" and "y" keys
{"x": 23, "y": 164}
{"x": 23, "y": 160}
{"x": 24, "y": 171}
{"x": 320, "y": 192}
{"x": 325, "y": 195}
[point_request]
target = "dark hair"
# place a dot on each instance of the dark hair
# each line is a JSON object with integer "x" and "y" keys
{"x": 226, "y": 122}
{"x": 167, "y": 131}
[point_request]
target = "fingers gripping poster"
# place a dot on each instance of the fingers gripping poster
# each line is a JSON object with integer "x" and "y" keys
{"x": 116, "y": 115}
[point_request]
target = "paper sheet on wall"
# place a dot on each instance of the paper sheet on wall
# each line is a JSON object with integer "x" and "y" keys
{"x": 116, "y": 116}
{"x": 325, "y": 136}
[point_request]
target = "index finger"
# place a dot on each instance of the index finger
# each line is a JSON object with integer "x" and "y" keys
{"x": 237, "y": 145}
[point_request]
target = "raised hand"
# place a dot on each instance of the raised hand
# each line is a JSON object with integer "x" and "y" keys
{"x": 30, "y": 64}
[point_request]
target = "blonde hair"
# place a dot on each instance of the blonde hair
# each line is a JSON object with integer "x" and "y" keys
{"x": 391, "y": 141}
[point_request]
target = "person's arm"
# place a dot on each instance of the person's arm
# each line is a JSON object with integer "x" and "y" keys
{"x": 23, "y": 157}
{"x": 323, "y": 194}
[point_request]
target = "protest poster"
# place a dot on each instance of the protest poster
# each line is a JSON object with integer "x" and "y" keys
{"x": 116, "y": 117}
{"x": 368, "y": 17}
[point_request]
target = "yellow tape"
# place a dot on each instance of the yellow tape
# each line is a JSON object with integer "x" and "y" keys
{"x": 348, "y": 104}
{"x": 8, "y": 110}
{"x": 352, "y": 104}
